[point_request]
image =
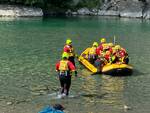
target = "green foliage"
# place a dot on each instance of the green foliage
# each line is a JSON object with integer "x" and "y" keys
{"x": 56, "y": 5}
{"x": 38, "y": 3}
{"x": 59, "y": 4}
{"x": 89, "y": 3}
{"x": 42, "y": 3}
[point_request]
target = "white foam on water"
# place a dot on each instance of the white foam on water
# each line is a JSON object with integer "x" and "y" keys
{"x": 57, "y": 95}
{"x": 53, "y": 94}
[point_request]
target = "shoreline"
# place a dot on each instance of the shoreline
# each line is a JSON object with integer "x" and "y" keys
{"x": 24, "y": 11}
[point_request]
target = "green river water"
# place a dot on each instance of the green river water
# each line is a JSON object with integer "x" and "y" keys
{"x": 30, "y": 47}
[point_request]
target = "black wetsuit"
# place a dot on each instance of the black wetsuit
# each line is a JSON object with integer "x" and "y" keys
{"x": 65, "y": 82}
{"x": 71, "y": 59}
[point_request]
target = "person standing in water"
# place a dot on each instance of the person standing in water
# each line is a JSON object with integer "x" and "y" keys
{"x": 68, "y": 48}
{"x": 65, "y": 69}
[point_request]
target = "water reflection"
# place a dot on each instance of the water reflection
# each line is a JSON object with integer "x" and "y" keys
{"x": 100, "y": 91}
{"x": 7, "y": 19}
{"x": 90, "y": 91}
{"x": 106, "y": 90}
{"x": 114, "y": 87}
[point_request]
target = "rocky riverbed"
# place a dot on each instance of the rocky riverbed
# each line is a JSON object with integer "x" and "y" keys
{"x": 25, "y": 104}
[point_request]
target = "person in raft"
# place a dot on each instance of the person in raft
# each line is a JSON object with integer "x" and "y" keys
{"x": 65, "y": 69}
{"x": 92, "y": 56}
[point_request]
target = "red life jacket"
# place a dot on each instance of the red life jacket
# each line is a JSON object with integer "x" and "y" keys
{"x": 69, "y": 49}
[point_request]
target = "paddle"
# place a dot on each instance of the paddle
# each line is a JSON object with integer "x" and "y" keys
{"x": 114, "y": 41}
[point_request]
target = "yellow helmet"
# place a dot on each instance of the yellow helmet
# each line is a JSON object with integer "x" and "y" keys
{"x": 95, "y": 44}
{"x": 103, "y": 40}
{"x": 110, "y": 44}
{"x": 68, "y": 41}
{"x": 117, "y": 47}
{"x": 108, "y": 53}
{"x": 65, "y": 55}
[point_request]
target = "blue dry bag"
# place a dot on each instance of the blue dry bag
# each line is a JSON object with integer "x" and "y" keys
{"x": 50, "y": 109}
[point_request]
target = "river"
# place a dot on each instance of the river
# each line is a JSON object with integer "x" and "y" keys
{"x": 30, "y": 47}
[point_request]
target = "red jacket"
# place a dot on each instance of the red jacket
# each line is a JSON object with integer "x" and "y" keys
{"x": 107, "y": 57}
{"x": 99, "y": 49}
{"x": 71, "y": 67}
{"x": 69, "y": 49}
{"x": 121, "y": 53}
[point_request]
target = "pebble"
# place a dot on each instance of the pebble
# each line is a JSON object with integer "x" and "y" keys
{"x": 126, "y": 107}
{"x": 9, "y": 103}
{"x": 39, "y": 87}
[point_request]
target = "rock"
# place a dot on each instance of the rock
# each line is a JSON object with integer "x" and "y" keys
{"x": 23, "y": 85}
{"x": 131, "y": 14}
{"x": 108, "y": 13}
{"x": 126, "y": 107}
{"x": 84, "y": 11}
{"x": 9, "y": 103}
{"x": 124, "y": 8}
{"x": 68, "y": 12}
{"x": 94, "y": 11}
{"x": 39, "y": 88}
{"x": 16, "y": 11}
{"x": 74, "y": 13}
{"x": 22, "y": 101}
{"x": 131, "y": 9}
{"x": 38, "y": 93}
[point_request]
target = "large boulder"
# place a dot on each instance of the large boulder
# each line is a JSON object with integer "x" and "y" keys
{"x": 108, "y": 13}
{"x": 126, "y": 8}
{"x": 133, "y": 8}
{"x": 15, "y": 11}
{"x": 84, "y": 11}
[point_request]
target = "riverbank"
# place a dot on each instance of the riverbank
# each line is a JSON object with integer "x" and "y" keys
{"x": 118, "y": 8}
{"x": 19, "y": 11}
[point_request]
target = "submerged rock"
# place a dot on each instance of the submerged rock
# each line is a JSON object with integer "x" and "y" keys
{"x": 9, "y": 103}
{"x": 38, "y": 87}
{"x": 39, "y": 90}
{"x": 126, "y": 107}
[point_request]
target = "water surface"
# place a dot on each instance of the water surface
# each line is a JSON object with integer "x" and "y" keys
{"x": 30, "y": 47}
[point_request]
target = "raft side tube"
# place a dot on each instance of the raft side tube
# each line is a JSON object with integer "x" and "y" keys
{"x": 87, "y": 64}
{"x": 117, "y": 69}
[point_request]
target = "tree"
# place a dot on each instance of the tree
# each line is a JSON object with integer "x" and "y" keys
{"x": 89, "y": 3}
